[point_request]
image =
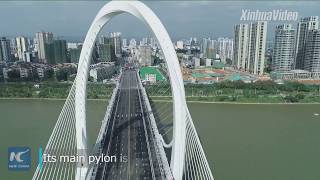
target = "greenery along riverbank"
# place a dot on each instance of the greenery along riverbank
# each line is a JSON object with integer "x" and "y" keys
{"x": 51, "y": 90}
{"x": 258, "y": 92}
{"x": 238, "y": 91}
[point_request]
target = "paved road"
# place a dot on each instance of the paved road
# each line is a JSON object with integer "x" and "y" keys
{"x": 127, "y": 136}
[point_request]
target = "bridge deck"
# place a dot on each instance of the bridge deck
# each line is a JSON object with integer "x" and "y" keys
{"x": 128, "y": 136}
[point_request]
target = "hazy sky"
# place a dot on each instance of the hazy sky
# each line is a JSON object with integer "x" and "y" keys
{"x": 182, "y": 19}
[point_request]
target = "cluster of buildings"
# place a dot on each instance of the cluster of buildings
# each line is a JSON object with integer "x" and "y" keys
{"x": 102, "y": 71}
{"x": 294, "y": 54}
{"x": 44, "y": 57}
{"x": 47, "y": 49}
{"x": 34, "y": 58}
{"x": 42, "y": 49}
{"x": 205, "y": 53}
{"x": 214, "y": 49}
{"x": 5, "y": 50}
{"x": 204, "y": 61}
{"x": 143, "y": 52}
{"x": 36, "y": 72}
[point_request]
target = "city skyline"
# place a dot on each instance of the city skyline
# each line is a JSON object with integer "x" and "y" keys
{"x": 255, "y": 45}
{"x": 170, "y": 93}
{"x": 191, "y": 19}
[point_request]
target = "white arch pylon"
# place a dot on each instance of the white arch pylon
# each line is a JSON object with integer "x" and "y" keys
{"x": 142, "y": 12}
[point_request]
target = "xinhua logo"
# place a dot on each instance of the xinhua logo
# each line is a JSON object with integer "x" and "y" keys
{"x": 19, "y": 158}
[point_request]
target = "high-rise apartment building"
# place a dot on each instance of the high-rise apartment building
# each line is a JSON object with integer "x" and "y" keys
{"x": 116, "y": 41}
{"x": 105, "y": 40}
{"x": 250, "y": 46}
{"x": 1, "y": 57}
{"x": 209, "y": 48}
{"x": 132, "y": 43}
{"x": 42, "y": 39}
{"x": 257, "y": 47}
{"x": 193, "y": 41}
{"x": 106, "y": 49}
{"x": 144, "y": 42}
{"x": 5, "y": 50}
{"x": 60, "y": 51}
{"x": 204, "y": 46}
{"x": 56, "y": 52}
{"x": 106, "y": 52}
{"x": 283, "y": 50}
{"x": 225, "y": 49}
{"x": 13, "y": 46}
{"x": 144, "y": 55}
{"x": 75, "y": 53}
{"x": 153, "y": 42}
{"x": 241, "y": 44}
{"x": 124, "y": 43}
{"x": 179, "y": 44}
{"x": 304, "y": 26}
{"x": 212, "y": 49}
{"x": 312, "y": 51}
{"x": 22, "y": 47}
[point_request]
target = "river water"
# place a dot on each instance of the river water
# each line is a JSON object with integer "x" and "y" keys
{"x": 242, "y": 142}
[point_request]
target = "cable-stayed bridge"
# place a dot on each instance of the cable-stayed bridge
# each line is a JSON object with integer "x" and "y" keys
{"x": 130, "y": 129}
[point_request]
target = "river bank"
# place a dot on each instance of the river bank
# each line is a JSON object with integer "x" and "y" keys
{"x": 224, "y": 92}
{"x": 47, "y": 99}
{"x": 165, "y": 100}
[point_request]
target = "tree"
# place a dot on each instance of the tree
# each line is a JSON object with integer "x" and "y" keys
{"x": 14, "y": 75}
{"x": 62, "y": 75}
{"x": 291, "y": 99}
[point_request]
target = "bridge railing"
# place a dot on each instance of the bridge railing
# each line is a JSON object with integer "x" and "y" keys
{"x": 161, "y": 155}
{"x": 195, "y": 162}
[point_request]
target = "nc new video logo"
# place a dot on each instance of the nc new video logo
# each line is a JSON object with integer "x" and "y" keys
{"x": 19, "y": 158}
